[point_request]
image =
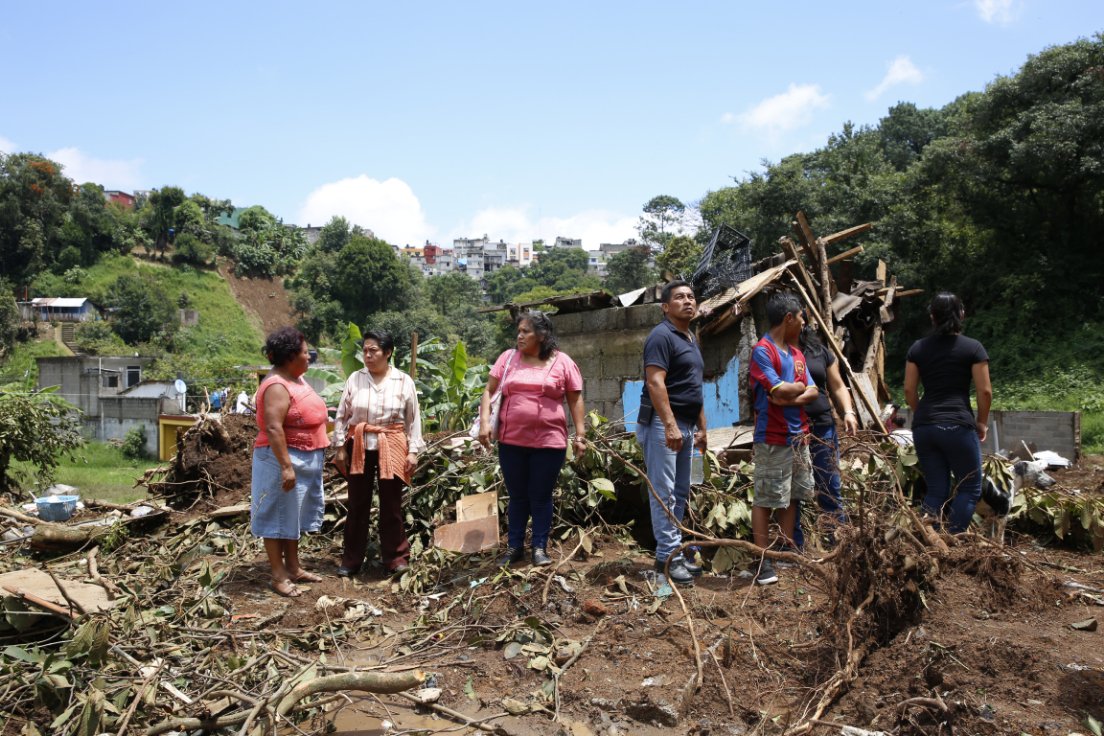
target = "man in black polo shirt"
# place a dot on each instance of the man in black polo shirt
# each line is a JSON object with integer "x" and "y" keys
{"x": 672, "y": 418}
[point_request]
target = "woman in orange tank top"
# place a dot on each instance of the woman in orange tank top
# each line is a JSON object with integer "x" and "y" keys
{"x": 287, "y": 460}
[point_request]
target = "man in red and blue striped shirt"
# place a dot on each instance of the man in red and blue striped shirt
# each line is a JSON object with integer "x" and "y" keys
{"x": 780, "y": 387}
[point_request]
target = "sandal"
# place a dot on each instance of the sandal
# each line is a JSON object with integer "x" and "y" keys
{"x": 306, "y": 577}
{"x": 286, "y": 588}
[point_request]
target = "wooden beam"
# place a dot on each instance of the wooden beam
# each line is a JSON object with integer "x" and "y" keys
{"x": 844, "y": 255}
{"x": 902, "y": 293}
{"x": 848, "y": 233}
{"x": 825, "y": 281}
{"x": 790, "y": 248}
{"x": 827, "y": 331}
{"x": 805, "y": 235}
{"x": 881, "y": 272}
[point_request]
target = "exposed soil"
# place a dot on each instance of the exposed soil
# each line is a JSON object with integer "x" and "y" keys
{"x": 977, "y": 642}
{"x": 263, "y": 299}
{"x": 1087, "y": 475}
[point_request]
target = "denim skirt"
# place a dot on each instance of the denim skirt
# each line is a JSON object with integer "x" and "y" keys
{"x": 279, "y": 514}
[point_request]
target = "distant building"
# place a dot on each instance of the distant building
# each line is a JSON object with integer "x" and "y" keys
{"x": 121, "y": 198}
{"x": 562, "y": 242}
{"x": 110, "y": 394}
{"x": 58, "y": 309}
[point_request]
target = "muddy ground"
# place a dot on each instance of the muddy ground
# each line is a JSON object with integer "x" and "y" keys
{"x": 982, "y": 644}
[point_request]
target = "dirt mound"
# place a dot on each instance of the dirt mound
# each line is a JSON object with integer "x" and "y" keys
{"x": 213, "y": 463}
{"x": 265, "y": 300}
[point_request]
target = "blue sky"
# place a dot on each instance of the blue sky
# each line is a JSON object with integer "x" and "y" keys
{"x": 517, "y": 120}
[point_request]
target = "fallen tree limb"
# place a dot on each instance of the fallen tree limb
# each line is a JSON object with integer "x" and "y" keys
{"x": 41, "y": 602}
{"x": 20, "y": 516}
{"x": 371, "y": 682}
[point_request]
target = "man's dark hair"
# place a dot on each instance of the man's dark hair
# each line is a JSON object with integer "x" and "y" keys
{"x": 669, "y": 288}
{"x": 780, "y": 304}
{"x": 947, "y": 313}
{"x": 282, "y": 345}
{"x": 543, "y": 328}
{"x": 382, "y": 338}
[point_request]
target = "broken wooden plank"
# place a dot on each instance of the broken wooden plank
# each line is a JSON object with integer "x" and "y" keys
{"x": 790, "y": 249}
{"x": 900, "y": 293}
{"x": 805, "y": 236}
{"x": 848, "y": 233}
{"x": 826, "y": 329}
{"x": 825, "y": 281}
{"x": 844, "y": 255}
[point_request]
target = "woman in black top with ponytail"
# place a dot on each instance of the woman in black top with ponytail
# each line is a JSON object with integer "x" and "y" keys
{"x": 947, "y": 435}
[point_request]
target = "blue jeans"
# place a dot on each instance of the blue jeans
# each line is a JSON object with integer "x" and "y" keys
{"x": 824, "y": 449}
{"x": 669, "y": 472}
{"x": 530, "y": 474}
{"x": 945, "y": 450}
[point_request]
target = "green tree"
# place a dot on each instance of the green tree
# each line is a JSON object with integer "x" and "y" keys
{"x": 35, "y": 428}
{"x": 34, "y": 199}
{"x": 453, "y": 293}
{"x": 507, "y": 282}
{"x": 212, "y": 208}
{"x": 335, "y": 235}
{"x": 160, "y": 215}
{"x": 679, "y": 257}
{"x": 256, "y": 219}
{"x": 630, "y": 269}
{"x": 9, "y": 319}
{"x": 369, "y": 278}
{"x": 660, "y": 214}
{"x": 191, "y": 249}
{"x": 563, "y": 270}
{"x": 907, "y": 130}
{"x": 141, "y": 309}
{"x": 189, "y": 218}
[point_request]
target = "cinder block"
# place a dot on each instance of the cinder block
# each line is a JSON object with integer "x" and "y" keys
{"x": 602, "y": 389}
{"x": 568, "y": 324}
{"x": 643, "y": 315}
{"x": 621, "y": 366}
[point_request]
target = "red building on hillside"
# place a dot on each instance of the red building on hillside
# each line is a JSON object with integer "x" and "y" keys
{"x": 123, "y": 198}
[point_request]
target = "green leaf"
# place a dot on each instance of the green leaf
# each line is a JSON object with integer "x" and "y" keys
{"x": 469, "y": 691}
{"x": 23, "y": 655}
{"x": 605, "y": 487}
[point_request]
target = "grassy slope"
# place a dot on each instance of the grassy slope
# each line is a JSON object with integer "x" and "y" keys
{"x": 225, "y": 336}
{"x": 225, "y": 333}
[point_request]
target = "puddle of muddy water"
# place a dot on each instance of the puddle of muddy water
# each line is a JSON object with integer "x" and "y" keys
{"x": 362, "y": 718}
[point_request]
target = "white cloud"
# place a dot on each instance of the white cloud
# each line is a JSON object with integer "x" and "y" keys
{"x": 901, "y": 71}
{"x": 517, "y": 225}
{"x": 112, "y": 174}
{"x": 1000, "y": 12}
{"x": 787, "y": 111}
{"x": 388, "y": 208}
{"x": 6, "y": 146}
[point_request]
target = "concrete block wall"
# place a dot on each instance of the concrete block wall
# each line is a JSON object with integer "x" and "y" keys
{"x": 1059, "y": 431}
{"x": 608, "y": 346}
{"x": 119, "y": 415}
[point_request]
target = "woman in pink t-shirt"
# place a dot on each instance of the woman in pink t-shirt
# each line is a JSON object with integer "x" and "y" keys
{"x": 532, "y": 428}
